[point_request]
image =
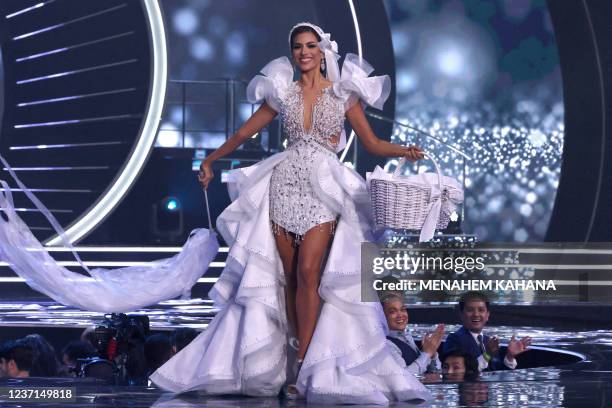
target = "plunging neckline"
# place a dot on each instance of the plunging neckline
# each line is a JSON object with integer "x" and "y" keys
{"x": 314, "y": 106}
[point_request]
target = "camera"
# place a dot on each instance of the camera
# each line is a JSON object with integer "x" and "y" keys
{"x": 119, "y": 340}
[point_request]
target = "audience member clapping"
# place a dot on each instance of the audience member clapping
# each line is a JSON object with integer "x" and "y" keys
{"x": 401, "y": 342}
{"x": 470, "y": 338}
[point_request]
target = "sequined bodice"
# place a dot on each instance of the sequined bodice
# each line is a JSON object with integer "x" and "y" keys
{"x": 293, "y": 203}
{"x": 327, "y": 118}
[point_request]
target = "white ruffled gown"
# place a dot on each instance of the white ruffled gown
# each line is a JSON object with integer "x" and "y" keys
{"x": 244, "y": 349}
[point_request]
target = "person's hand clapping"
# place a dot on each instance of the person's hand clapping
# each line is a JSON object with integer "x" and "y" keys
{"x": 206, "y": 174}
{"x": 516, "y": 347}
{"x": 492, "y": 346}
{"x": 431, "y": 341}
{"x": 413, "y": 153}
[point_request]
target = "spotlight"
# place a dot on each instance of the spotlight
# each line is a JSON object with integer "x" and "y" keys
{"x": 167, "y": 220}
{"x": 171, "y": 204}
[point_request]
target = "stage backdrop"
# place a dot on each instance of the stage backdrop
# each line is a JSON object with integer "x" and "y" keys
{"x": 484, "y": 76}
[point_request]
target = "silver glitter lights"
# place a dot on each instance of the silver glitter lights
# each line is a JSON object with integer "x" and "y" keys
{"x": 511, "y": 182}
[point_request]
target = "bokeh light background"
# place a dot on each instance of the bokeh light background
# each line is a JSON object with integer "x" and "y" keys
{"x": 216, "y": 40}
{"x": 482, "y": 75}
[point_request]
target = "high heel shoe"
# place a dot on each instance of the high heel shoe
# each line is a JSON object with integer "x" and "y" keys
{"x": 291, "y": 392}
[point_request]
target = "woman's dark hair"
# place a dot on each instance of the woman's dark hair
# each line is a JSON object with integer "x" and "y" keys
{"x": 44, "y": 361}
{"x": 305, "y": 29}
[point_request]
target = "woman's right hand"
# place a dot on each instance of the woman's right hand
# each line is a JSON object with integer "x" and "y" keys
{"x": 431, "y": 341}
{"x": 413, "y": 153}
{"x": 206, "y": 174}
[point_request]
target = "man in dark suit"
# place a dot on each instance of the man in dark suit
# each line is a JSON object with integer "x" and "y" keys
{"x": 470, "y": 338}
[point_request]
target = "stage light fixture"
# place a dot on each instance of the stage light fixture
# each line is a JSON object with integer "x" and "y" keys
{"x": 167, "y": 223}
{"x": 172, "y": 204}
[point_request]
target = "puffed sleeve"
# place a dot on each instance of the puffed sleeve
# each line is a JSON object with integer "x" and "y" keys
{"x": 355, "y": 85}
{"x": 271, "y": 86}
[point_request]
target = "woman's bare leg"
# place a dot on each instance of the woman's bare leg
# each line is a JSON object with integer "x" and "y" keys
{"x": 310, "y": 257}
{"x": 288, "y": 256}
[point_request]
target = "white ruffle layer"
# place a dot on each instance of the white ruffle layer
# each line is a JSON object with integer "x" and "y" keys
{"x": 353, "y": 85}
{"x": 104, "y": 290}
{"x": 272, "y": 85}
{"x": 243, "y": 350}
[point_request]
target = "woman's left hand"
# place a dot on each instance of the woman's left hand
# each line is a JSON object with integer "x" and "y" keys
{"x": 413, "y": 153}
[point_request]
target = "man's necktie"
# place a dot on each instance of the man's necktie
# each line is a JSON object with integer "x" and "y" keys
{"x": 481, "y": 344}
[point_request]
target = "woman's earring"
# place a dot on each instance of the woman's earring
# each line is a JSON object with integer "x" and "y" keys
{"x": 323, "y": 64}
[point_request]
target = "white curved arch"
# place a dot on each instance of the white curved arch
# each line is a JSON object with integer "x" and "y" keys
{"x": 140, "y": 153}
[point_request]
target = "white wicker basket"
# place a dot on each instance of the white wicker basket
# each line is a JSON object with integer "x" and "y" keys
{"x": 401, "y": 203}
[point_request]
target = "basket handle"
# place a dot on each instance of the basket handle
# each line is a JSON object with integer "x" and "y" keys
{"x": 427, "y": 155}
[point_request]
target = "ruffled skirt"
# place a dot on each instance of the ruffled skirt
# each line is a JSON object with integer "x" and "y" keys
{"x": 244, "y": 349}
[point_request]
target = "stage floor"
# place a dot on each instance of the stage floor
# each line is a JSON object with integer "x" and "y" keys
{"x": 581, "y": 376}
{"x": 544, "y": 387}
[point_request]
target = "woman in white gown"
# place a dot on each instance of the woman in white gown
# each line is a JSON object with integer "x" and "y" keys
{"x": 284, "y": 213}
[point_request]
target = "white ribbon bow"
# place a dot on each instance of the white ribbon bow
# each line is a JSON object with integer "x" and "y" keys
{"x": 454, "y": 196}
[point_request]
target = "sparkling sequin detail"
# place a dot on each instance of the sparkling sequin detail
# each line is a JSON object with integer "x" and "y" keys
{"x": 293, "y": 204}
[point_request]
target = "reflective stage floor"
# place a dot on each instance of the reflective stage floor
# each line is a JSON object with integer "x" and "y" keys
{"x": 584, "y": 385}
{"x": 579, "y": 359}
